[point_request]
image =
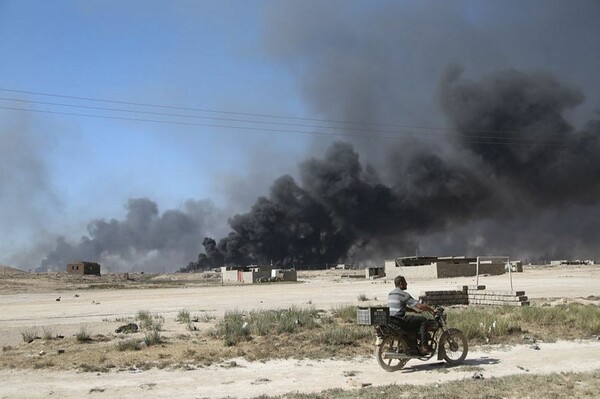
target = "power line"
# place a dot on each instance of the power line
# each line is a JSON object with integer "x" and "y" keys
{"x": 504, "y": 138}
{"x": 507, "y": 141}
{"x": 398, "y": 134}
{"x": 249, "y": 113}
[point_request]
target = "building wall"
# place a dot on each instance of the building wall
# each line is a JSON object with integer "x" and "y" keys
{"x": 288, "y": 275}
{"x": 253, "y": 276}
{"x": 442, "y": 270}
{"x": 424, "y": 272}
{"x": 229, "y": 276}
{"x": 87, "y": 268}
{"x": 373, "y": 272}
{"x": 446, "y": 270}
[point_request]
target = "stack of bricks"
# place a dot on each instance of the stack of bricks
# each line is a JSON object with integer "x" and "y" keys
{"x": 474, "y": 295}
{"x": 478, "y": 295}
{"x": 444, "y": 298}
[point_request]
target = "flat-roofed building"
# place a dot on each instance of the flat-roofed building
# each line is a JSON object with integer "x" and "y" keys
{"x": 87, "y": 268}
{"x": 427, "y": 267}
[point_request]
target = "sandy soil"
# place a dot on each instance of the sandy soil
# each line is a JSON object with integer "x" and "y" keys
{"x": 90, "y": 307}
{"x": 284, "y": 376}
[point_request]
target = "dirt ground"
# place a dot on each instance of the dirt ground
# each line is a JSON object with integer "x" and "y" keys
{"x": 27, "y": 302}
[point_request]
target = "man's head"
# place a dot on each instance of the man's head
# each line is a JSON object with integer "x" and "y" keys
{"x": 400, "y": 282}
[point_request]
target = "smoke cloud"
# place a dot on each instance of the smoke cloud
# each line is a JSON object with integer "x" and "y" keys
{"x": 501, "y": 158}
{"x": 28, "y": 201}
{"x": 515, "y": 165}
{"x": 145, "y": 240}
{"x": 527, "y": 144}
{"x": 521, "y": 163}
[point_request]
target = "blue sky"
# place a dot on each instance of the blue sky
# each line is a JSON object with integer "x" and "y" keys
{"x": 58, "y": 172}
{"x": 185, "y": 53}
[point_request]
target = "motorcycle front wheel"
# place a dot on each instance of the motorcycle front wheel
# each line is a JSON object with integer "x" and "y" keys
{"x": 392, "y": 345}
{"x": 454, "y": 345}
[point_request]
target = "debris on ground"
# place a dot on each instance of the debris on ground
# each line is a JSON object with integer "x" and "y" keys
{"x": 127, "y": 328}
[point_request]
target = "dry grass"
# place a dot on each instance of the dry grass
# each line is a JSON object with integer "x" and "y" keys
{"x": 552, "y": 386}
{"x": 267, "y": 335}
{"x": 284, "y": 333}
{"x": 509, "y": 324}
{"x": 48, "y": 282}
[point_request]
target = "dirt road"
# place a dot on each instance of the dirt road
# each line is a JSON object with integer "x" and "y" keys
{"x": 245, "y": 379}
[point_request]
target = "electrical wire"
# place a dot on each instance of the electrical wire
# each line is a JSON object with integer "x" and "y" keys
{"x": 377, "y": 133}
{"x": 516, "y": 139}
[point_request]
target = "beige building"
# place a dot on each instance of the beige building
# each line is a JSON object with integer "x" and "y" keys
{"x": 256, "y": 274}
{"x": 88, "y": 268}
{"x": 372, "y": 272}
{"x": 427, "y": 267}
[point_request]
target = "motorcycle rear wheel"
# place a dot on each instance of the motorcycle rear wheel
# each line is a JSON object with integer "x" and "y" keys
{"x": 454, "y": 345}
{"x": 391, "y": 344}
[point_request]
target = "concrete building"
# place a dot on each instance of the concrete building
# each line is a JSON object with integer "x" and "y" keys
{"x": 87, "y": 268}
{"x": 571, "y": 262}
{"x": 372, "y": 272}
{"x": 256, "y": 274}
{"x": 427, "y": 267}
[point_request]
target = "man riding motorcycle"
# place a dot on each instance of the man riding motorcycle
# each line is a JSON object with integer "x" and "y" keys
{"x": 400, "y": 301}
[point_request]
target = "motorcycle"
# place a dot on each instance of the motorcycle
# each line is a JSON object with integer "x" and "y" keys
{"x": 395, "y": 346}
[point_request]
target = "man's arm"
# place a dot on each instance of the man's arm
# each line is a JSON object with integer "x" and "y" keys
{"x": 416, "y": 306}
{"x": 424, "y": 308}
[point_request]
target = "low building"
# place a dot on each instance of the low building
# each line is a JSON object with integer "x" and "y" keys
{"x": 516, "y": 266}
{"x": 372, "y": 272}
{"x": 256, "y": 274}
{"x": 428, "y": 267}
{"x": 84, "y": 268}
{"x": 341, "y": 266}
{"x": 571, "y": 262}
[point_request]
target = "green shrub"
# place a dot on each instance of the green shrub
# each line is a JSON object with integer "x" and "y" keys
{"x": 29, "y": 334}
{"x": 143, "y": 315}
{"x": 83, "y": 335}
{"x": 183, "y": 316}
{"x": 148, "y": 321}
{"x": 347, "y": 313}
{"x": 153, "y": 338}
{"x": 129, "y": 345}
{"x": 338, "y": 335}
{"x": 585, "y": 318}
{"x": 281, "y": 321}
{"x": 207, "y": 318}
{"x": 232, "y": 328}
{"x": 484, "y": 324}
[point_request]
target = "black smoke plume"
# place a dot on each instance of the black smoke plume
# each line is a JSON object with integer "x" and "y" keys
{"x": 144, "y": 241}
{"x": 513, "y": 165}
{"x": 514, "y": 156}
{"x": 514, "y": 122}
